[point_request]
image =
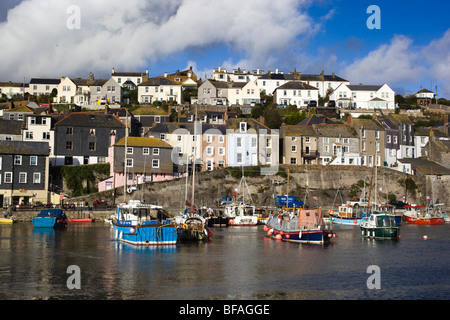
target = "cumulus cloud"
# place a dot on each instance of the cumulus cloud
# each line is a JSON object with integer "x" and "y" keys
{"x": 402, "y": 63}
{"x": 38, "y": 42}
{"x": 393, "y": 62}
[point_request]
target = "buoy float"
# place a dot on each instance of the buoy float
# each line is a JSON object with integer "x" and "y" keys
{"x": 425, "y": 237}
{"x": 330, "y": 235}
{"x": 288, "y": 236}
{"x": 278, "y": 237}
{"x": 132, "y": 230}
{"x": 231, "y": 221}
{"x": 210, "y": 234}
{"x": 266, "y": 228}
{"x": 282, "y": 232}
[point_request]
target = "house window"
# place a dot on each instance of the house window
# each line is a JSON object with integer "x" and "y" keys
{"x": 32, "y": 120}
{"x": 8, "y": 177}
{"x": 91, "y": 146}
{"x": 69, "y": 145}
{"x": 293, "y": 160}
{"x": 129, "y": 150}
{"x": 155, "y": 163}
{"x": 29, "y": 135}
{"x": 22, "y": 177}
{"x": 388, "y": 139}
{"x": 129, "y": 163}
{"x": 363, "y": 133}
{"x": 157, "y": 119}
{"x": 146, "y": 151}
{"x": 221, "y": 151}
{"x": 162, "y": 136}
{"x": 253, "y": 142}
{"x": 239, "y": 158}
{"x": 155, "y": 151}
{"x": 221, "y": 139}
{"x": 36, "y": 177}
{"x": 243, "y": 126}
{"x": 45, "y": 135}
{"x": 294, "y": 148}
{"x": 69, "y": 131}
{"x": 33, "y": 161}
{"x": 394, "y": 139}
{"x": 239, "y": 142}
{"x": 209, "y": 151}
{"x": 92, "y": 132}
{"x": 17, "y": 160}
{"x": 221, "y": 163}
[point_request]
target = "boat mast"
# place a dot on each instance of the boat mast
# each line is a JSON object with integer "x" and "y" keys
{"x": 125, "y": 162}
{"x": 193, "y": 162}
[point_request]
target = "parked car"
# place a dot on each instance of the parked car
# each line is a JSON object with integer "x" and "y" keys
{"x": 358, "y": 202}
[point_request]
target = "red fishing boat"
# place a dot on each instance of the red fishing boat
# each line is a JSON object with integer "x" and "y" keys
{"x": 81, "y": 219}
{"x": 422, "y": 215}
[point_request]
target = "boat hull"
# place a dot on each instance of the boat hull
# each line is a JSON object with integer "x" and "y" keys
{"x": 81, "y": 220}
{"x": 380, "y": 233}
{"x": 218, "y": 222}
{"x": 244, "y": 221}
{"x": 49, "y": 222}
{"x": 345, "y": 221}
{"x": 424, "y": 221}
{"x": 304, "y": 236}
{"x": 146, "y": 234}
{"x": 6, "y": 221}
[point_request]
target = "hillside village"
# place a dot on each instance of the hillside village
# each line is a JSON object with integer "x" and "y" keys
{"x": 137, "y": 129}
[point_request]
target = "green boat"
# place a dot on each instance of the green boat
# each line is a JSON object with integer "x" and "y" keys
{"x": 380, "y": 225}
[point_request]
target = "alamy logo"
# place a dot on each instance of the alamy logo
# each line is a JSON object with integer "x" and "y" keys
{"x": 374, "y": 21}
{"x": 74, "y": 20}
{"x": 74, "y": 281}
{"x": 374, "y": 281}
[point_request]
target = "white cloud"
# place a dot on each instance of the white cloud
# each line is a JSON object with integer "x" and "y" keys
{"x": 128, "y": 34}
{"x": 393, "y": 62}
{"x": 400, "y": 63}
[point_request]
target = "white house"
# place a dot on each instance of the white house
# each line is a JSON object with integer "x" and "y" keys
{"x": 250, "y": 143}
{"x": 159, "y": 89}
{"x": 296, "y": 93}
{"x": 135, "y": 78}
{"x": 39, "y": 128}
{"x": 364, "y": 96}
{"x": 39, "y": 86}
{"x": 229, "y": 93}
{"x": 11, "y": 89}
{"x": 238, "y": 75}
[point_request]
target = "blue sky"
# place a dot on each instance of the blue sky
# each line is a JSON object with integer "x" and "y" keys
{"x": 410, "y": 51}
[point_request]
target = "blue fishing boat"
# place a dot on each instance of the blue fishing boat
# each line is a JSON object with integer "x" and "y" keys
{"x": 50, "y": 218}
{"x": 302, "y": 226}
{"x": 139, "y": 224}
{"x": 346, "y": 215}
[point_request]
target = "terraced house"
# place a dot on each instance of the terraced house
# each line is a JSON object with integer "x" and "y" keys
{"x": 24, "y": 169}
{"x": 83, "y": 137}
{"x": 137, "y": 160}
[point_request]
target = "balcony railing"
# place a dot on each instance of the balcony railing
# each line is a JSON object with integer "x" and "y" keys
{"x": 310, "y": 154}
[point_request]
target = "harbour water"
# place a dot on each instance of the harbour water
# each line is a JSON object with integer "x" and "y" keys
{"x": 239, "y": 263}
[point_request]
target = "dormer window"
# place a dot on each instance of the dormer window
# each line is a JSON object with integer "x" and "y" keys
{"x": 243, "y": 126}
{"x": 92, "y": 132}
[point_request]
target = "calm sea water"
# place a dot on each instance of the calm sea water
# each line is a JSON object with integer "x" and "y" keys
{"x": 239, "y": 263}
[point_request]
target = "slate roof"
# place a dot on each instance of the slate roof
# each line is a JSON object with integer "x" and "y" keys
{"x": 335, "y": 130}
{"x": 170, "y": 127}
{"x": 45, "y": 81}
{"x": 24, "y": 148}
{"x": 316, "y": 119}
{"x": 157, "y": 81}
{"x": 143, "y": 142}
{"x": 10, "y": 127}
{"x": 296, "y": 131}
{"x": 296, "y": 85}
{"x": 426, "y": 166}
{"x": 90, "y": 119}
{"x": 362, "y": 87}
{"x": 368, "y": 124}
